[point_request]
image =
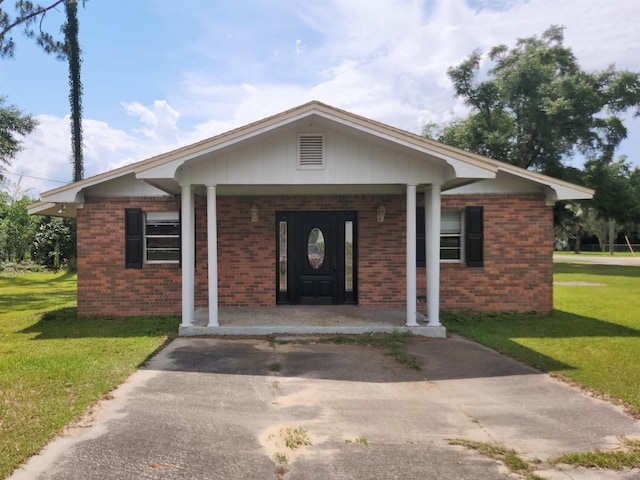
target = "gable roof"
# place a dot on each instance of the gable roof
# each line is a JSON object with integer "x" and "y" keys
{"x": 473, "y": 165}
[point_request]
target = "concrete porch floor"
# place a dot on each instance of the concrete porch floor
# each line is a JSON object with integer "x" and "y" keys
{"x": 307, "y": 319}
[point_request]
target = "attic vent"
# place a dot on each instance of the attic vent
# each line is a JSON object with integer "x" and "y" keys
{"x": 311, "y": 151}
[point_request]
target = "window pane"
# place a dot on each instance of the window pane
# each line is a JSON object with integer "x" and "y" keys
{"x": 450, "y": 254}
{"x": 315, "y": 248}
{"x": 451, "y": 222}
{"x": 163, "y": 242}
{"x": 348, "y": 256}
{"x": 449, "y": 242}
{"x": 153, "y": 217}
{"x": 163, "y": 229}
{"x": 156, "y": 255}
{"x": 283, "y": 256}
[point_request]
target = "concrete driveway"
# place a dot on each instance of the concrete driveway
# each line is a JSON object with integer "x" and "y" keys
{"x": 207, "y": 408}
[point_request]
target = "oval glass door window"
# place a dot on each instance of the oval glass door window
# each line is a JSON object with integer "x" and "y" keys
{"x": 315, "y": 248}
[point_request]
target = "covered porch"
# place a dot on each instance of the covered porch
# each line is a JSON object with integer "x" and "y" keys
{"x": 308, "y": 319}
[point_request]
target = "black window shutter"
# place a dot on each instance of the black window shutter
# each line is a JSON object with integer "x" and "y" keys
{"x": 474, "y": 236}
{"x": 133, "y": 237}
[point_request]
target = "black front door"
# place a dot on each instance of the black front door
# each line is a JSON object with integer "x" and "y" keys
{"x": 319, "y": 264}
{"x": 316, "y": 257}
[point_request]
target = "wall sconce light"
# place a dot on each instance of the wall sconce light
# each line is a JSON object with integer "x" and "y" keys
{"x": 62, "y": 208}
{"x": 254, "y": 213}
{"x": 382, "y": 210}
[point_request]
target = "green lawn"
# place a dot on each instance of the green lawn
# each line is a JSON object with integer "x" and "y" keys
{"x": 592, "y": 337}
{"x": 53, "y": 366}
{"x": 598, "y": 254}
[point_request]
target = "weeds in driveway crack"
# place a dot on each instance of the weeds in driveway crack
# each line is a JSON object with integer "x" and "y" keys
{"x": 626, "y": 458}
{"x": 296, "y": 437}
{"x": 286, "y": 443}
{"x": 508, "y": 457}
{"x": 359, "y": 440}
{"x": 275, "y": 366}
{"x": 395, "y": 342}
{"x": 280, "y": 460}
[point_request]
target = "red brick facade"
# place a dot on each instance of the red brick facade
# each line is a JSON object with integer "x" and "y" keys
{"x": 517, "y": 272}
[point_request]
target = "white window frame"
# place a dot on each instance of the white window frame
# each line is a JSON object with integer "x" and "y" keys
{"x": 459, "y": 235}
{"x": 166, "y": 217}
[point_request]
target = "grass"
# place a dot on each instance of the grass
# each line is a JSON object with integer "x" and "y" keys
{"x": 54, "y": 366}
{"x": 598, "y": 254}
{"x": 275, "y": 366}
{"x": 508, "y": 457}
{"x": 358, "y": 440}
{"x": 592, "y": 335}
{"x": 612, "y": 460}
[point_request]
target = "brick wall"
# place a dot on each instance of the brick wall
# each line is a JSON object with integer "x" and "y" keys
{"x": 516, "y": 276}
{"x": 247, "y": 251}
{"x": 105, "y": 287}
{"x": 518, "y": 266}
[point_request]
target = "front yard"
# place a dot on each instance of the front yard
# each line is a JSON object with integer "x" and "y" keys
{"x": 54, "y": 366}
{"x": 592, "y": 337}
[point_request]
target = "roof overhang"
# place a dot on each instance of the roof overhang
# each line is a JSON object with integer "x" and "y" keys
{"x": 163, "y": 171}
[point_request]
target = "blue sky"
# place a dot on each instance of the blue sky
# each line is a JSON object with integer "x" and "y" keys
{"x": 159, "y": 74}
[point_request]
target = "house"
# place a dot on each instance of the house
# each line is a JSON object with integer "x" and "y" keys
{"x": 313, "y": 206}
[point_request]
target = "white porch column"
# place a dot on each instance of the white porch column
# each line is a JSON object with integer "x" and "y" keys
{"x": 212, "y": 257}
{"x": 188, "y": 256}
{"x": 432, "y": 240}
{"x": 411, "y": 256}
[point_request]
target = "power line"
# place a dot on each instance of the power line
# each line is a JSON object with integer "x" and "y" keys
{"x": 6, "y": 172}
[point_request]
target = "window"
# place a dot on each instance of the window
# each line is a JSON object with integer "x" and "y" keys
{"x": 162, "y": 237}
{"x": 461, "y": 236}
{"x": 348, "y": 256}
{"x": 282, "y": 253}
{"x": 451, "y": 235}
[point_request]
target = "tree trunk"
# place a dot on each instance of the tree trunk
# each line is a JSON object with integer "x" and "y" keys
{"x": 72, "y": 49}
{"x": 611, "y": 235}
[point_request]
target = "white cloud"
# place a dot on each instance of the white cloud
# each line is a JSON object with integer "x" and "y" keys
{"x": 161, "y": 119}
{"x": 46, "y": 158}
{"x": 46, "y": 155}
{"x": 387, "y": 61}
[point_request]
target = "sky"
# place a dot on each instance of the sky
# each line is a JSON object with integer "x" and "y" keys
{"x": 160, "y": 74}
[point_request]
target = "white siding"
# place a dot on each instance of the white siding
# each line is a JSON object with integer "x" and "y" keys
{"x": 271, "y": 160}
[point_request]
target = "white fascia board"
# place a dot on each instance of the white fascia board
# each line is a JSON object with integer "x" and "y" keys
{"x": 73, "y": 195}
{"x": 74, "y": 192}
{"x": 463, "y": 169}
{"x": 38, "y": 208}
{"x": 554, "y": 191}
{"x": 169, "y": 169}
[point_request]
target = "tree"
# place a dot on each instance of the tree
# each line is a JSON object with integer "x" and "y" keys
{"x": 615, "y": 200}
{"x": 537, "y": 106}
{"x": 54, "y": 244}
{"x": 12, "y": 123}
{"x": 17, "y": 228}
{"x": 69, "y": 50}
{"x": 47, "y": 241}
